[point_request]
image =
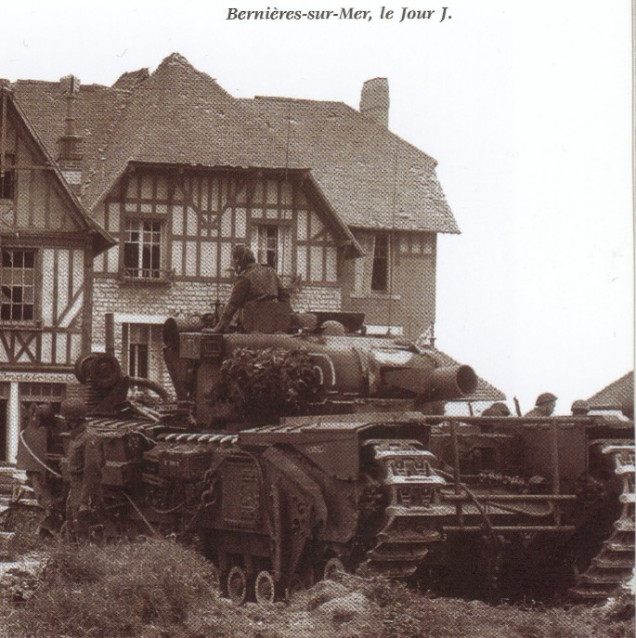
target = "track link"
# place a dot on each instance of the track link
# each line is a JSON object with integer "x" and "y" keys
{"x": 412, "y": 486}
{"x": 613, "y": 566}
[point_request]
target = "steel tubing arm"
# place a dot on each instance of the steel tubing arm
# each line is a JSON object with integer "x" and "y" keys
{"x": 512, "y": 497}
{"x": 510, "y": 528}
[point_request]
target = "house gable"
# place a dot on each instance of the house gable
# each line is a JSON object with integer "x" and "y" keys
{"x": 39, "y": 199}
{"x": 198, "y": 215}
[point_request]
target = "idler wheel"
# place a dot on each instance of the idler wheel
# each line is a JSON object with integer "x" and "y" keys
{"x": 237, "y": 585}
{"x": 334, "y": 568}
{"x": 265, "y": 587}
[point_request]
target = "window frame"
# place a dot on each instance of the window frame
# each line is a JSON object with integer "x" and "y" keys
{"x": 140, "y": 338}
{"x": 7, "y": 182}
{"x": 33, "y": 320}
{"x": 138, "y": 272}
{"x": 381, "y": 264}
{"x": 284, "y": 267}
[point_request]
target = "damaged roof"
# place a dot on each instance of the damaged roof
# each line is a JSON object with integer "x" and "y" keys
{"x": 372, "y": 177}
{"x": 176, "y": 115}
{"x": 369, "y": 177}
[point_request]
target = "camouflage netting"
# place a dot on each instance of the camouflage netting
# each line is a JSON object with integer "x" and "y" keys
{"x": 267, "y": 383}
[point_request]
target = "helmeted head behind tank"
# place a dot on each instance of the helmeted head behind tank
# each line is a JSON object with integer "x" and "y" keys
{"x": 74, "y": 411}
{"x": 242, "y": 257}
{"x": 333, "y": 328}
{"x": 497, "y": 409}
{"x": 546, "y": 402}
{"x": 580, "y": 407}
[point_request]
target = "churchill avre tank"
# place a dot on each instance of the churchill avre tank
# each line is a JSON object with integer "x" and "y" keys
{"x": 287, "y": 457}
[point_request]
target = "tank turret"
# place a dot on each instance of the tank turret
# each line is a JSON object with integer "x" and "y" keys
{"x": 349, "y": 373}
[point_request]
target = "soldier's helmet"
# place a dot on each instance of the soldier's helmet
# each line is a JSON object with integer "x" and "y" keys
{"x": 333, "y": 328}
{"x": 73, "y": 409}
{"x": 242, "y": 256}
{"x": 497, "y": 409}
{"x": 580, "y": 406}
{"x": 545, "y": 397}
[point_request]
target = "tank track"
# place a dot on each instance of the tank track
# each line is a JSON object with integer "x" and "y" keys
{"x": 406, "y": 536}
{"x": 613, "y": 566}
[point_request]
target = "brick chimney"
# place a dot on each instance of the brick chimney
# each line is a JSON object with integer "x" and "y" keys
{"x": 70, "y": 157}
{"x": 374, "y": 101}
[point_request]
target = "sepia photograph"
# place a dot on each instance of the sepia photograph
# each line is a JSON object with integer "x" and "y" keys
{"x": 317, "y": 319}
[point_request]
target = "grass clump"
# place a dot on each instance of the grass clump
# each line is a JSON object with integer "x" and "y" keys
{"x": 114, "y": 592}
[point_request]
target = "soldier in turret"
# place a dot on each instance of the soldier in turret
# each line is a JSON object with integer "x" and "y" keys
{"x": 84, "y": 462}
{"x": 255, "y": 284}
{"x": 544, "y": 405}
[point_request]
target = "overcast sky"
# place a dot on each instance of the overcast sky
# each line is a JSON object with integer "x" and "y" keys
{"x": 526, "y": 106}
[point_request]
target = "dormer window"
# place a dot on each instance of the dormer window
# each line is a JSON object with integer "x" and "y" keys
{"x": 271, "y": 245}
{"x": 143, "y": 249}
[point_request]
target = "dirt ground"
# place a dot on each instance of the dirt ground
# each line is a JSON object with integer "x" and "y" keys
{"x": 157, "y": 589}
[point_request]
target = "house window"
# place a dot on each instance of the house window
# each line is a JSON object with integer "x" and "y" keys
{"x": 268, "y": 246}
{"x": 380, "y": 271}
{"x": 272, "y": 246}
{"x": 17, "y": 285}
{"x": 138, "y": 350}
{"x": 142, "y": 249}
{"x": 34, "y": 393}
{"x": 7, "y": 179}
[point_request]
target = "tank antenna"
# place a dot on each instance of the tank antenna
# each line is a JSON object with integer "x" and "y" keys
{"x": 392, "y": 236}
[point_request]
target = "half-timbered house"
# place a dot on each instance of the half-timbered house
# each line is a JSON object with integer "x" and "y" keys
{"x": 47, "y": 246}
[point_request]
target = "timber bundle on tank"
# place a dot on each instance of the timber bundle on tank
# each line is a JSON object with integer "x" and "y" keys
{"x": 286, "y": 457}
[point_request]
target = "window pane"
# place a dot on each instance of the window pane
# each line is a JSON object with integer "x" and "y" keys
{"x": 380, "y": 272}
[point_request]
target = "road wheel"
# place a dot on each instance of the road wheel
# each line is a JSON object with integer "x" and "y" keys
{"x": 237, "y": 585}
{"x": 265, "y": 588}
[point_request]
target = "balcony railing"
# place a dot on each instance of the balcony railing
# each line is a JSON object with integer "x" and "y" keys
{"x": 146, "y": 275}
